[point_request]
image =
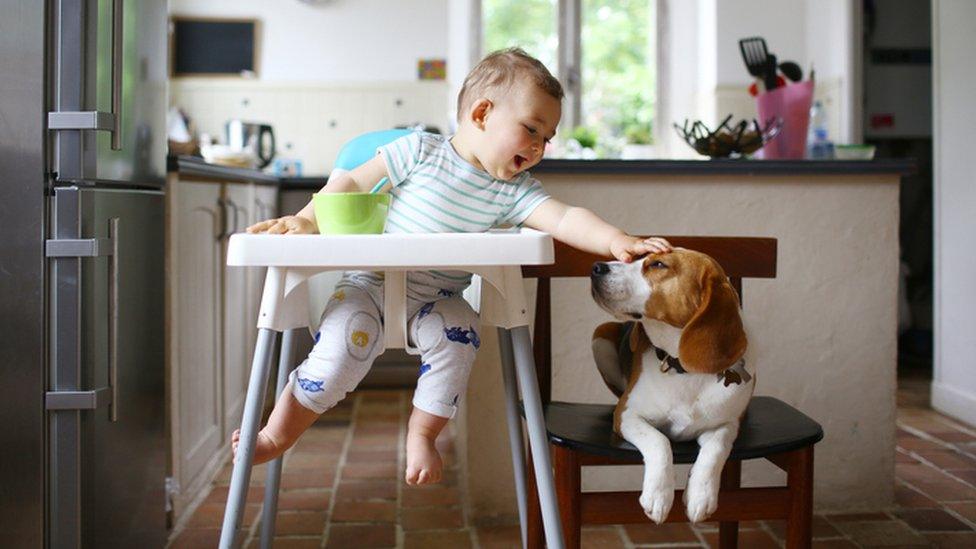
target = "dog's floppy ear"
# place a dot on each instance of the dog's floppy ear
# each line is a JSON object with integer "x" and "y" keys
{"x": 713, "y": 339}
{"x": 638, "y": 339}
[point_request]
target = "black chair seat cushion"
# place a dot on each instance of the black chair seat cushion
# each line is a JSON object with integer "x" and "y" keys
{"x": 770, "y": 426}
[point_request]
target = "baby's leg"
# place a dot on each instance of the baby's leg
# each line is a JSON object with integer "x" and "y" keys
{"x": 424, "y": 463}
{"x": 288, "y": 421}
{"x": 446, "y": 334}
{"x": 347, "y": 344}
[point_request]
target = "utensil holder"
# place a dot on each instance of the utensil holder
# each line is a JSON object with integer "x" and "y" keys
{"x": 791, "y": 103}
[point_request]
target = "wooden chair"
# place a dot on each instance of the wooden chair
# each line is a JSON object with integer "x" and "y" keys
{"x": 582, "y": 434}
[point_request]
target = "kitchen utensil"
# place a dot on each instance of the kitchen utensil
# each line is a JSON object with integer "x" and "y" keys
{"x": 769, "y": 76}
{"x": 791, "y": 70}
{"x": 754, "y": 54}
{"x": 754, "y": 87}
{"x": 727, "y": 140}
{"x": 350, "y": 213}
{"x": 252, "y": 136}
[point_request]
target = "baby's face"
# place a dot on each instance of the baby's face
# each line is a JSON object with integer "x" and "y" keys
{"x": 517, "y": 130}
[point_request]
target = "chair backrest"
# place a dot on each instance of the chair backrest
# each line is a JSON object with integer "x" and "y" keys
{"x": 359, "y": 149}
{"x": 740, "y": 257}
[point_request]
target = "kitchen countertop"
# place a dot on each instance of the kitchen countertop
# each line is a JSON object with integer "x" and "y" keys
{"x": 726, "y": 167}
{"x": 195, "y": 166}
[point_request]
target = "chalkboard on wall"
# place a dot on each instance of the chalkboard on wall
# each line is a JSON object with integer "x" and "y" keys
{"x": 203, "y": 47}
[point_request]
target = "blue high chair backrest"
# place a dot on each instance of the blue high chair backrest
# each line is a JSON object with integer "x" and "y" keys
{"x": 360, "y": 149}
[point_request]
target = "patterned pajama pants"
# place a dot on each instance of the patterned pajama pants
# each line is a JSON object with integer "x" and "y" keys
{"x": 350, "y": 338}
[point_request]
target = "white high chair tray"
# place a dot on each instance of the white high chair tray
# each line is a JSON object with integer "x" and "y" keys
{"x": 392, "y": 251}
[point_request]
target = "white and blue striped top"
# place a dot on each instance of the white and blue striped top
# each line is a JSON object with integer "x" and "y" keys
{"x": 435, "y": 190}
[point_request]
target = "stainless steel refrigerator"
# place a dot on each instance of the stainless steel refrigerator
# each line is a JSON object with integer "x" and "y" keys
{"x": 82, "y": 168}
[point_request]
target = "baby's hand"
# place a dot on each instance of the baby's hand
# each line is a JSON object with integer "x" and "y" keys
{"x": 625, "y": 247}
{"x": 289, "y": 224}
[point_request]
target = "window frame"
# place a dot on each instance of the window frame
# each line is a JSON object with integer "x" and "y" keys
{"x": 569, "y": 60}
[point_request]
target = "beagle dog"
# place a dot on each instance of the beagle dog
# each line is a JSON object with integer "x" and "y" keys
{"x": 677, "y": 367}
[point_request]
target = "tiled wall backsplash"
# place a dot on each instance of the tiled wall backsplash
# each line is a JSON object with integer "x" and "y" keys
{"x": 311, "y": 121}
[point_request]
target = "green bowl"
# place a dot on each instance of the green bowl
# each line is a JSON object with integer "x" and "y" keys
{"x": 350, "y": 213}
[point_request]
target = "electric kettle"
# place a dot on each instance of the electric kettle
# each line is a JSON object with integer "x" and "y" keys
{"x": 253, "y": 137}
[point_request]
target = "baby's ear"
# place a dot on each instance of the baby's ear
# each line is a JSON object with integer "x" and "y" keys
{"x": 480, "y": 111}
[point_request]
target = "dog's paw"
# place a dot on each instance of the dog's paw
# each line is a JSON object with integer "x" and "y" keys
{"x": 656, "y": 502}
{"x": 701, "y": 500}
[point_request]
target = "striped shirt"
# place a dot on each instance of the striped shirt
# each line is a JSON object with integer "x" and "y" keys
{"x": 435, "y": 190}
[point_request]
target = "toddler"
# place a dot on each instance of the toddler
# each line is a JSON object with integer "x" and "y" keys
{"x": 508, "y": 110}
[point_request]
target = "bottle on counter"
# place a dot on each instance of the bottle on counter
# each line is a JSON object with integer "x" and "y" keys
{"x": 819, "y": 145}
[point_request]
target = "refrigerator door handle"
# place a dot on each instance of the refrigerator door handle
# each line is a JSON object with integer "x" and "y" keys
{"x": 113, "y": 320}
{"x": 117, "y": 40}
{"x": 77, "y": 400}
{"x": 78, "y": 247}
{"x": 98, "y": 120}
{"x": 94, "y": 247}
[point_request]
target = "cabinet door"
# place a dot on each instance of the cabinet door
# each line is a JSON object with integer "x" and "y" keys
{"x": 238, "y": 201}
{"x": 264, "y": 206}
{"x": 195, "y": 221}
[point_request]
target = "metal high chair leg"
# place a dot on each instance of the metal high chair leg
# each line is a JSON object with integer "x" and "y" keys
{"x": 250, "y": 422}
{"x": 514, "y": 427}
{"x": 270, "y": 510}
{"x": 538, "y": 439}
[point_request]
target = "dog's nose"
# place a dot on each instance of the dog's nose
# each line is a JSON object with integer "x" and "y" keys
{"x": 600, "y": 268}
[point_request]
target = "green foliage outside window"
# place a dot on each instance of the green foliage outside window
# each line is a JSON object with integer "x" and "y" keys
{"x": 618, "y": 69}
{"x": 528, "y": 24}
{"x": 617, "y": 65}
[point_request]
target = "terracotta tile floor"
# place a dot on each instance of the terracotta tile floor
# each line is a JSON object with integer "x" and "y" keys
{"x": 342, "y": 487}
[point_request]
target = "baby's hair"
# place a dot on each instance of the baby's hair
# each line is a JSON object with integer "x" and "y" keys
{"x": 499, "y": 69}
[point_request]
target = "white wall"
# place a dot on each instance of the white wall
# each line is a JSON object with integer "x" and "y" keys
{"x": 463, "y": 47}
{"x": 340, "y": 40}
{"x": 707, "y": 78}
{"x": 954, "y": 383}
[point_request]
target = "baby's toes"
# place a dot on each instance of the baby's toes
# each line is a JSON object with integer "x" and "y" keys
{"x": 411, "y": 476}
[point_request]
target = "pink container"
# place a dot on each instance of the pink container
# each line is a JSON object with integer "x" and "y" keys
{"x": 792, "y": 104}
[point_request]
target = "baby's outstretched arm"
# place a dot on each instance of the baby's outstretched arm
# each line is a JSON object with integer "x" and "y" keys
{"x": 360, "y": 179}
{"x": 583, "y": 229}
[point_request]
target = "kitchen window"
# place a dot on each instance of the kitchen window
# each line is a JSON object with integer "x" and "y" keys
{"x": 604, "y": 53}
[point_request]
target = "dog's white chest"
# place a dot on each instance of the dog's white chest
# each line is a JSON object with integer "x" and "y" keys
{"x": 684, "y": 405}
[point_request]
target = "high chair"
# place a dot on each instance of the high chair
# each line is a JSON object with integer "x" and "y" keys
{"x": 495, "y": 256}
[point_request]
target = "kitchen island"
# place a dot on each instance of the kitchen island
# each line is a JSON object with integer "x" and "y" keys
{"x": 822, "y": 334}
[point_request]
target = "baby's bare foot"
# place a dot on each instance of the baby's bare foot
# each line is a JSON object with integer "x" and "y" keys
{"x": 264, "y": 448}
{"x": 423, "y": 461}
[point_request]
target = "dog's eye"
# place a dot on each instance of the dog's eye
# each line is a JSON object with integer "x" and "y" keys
{"x": 658, "y": 265}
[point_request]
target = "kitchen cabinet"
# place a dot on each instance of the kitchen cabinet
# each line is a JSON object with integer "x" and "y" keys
{"x": 264, "y": 205}
{"x": 211, "y": 312}
{"x": 236, "y": 199}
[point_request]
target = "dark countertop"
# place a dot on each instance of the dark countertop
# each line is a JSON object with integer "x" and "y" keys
{"x": 194, "y": 166}
{"x": 727, "y": 167}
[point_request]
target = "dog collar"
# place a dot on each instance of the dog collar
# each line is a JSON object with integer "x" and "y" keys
{"x": 733, "y": 375}
{"x": 668, "y": 362}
